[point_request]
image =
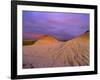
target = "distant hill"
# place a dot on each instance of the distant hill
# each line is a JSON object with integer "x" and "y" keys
{"x": 46, "y": 40}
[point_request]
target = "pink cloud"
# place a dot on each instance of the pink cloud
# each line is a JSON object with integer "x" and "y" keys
{"x": 32, "y": 36}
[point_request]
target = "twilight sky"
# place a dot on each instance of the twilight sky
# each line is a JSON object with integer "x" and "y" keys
{"x": 63, "y": 26}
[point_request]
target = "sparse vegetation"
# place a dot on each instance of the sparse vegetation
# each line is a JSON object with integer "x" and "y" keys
{"x": 28, "y": 42}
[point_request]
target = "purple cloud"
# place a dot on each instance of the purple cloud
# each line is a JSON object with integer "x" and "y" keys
{"x": 63, "y": 26}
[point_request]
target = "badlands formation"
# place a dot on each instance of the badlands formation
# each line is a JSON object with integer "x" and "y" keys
{"x": 50, "y": 52}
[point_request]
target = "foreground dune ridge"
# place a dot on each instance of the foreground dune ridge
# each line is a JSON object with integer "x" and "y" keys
{"x": 74, "y": 52}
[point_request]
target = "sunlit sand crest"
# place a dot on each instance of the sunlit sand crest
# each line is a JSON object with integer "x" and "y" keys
{"x": 46, "y": 40}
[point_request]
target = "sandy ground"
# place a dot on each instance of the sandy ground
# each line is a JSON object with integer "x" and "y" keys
{"x": 74, "y": 52}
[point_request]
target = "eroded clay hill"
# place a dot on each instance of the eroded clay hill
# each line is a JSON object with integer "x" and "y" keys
{"x": 49, "y": 52}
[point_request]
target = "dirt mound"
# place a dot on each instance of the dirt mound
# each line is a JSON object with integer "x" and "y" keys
{"x": 46, "y": 40}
